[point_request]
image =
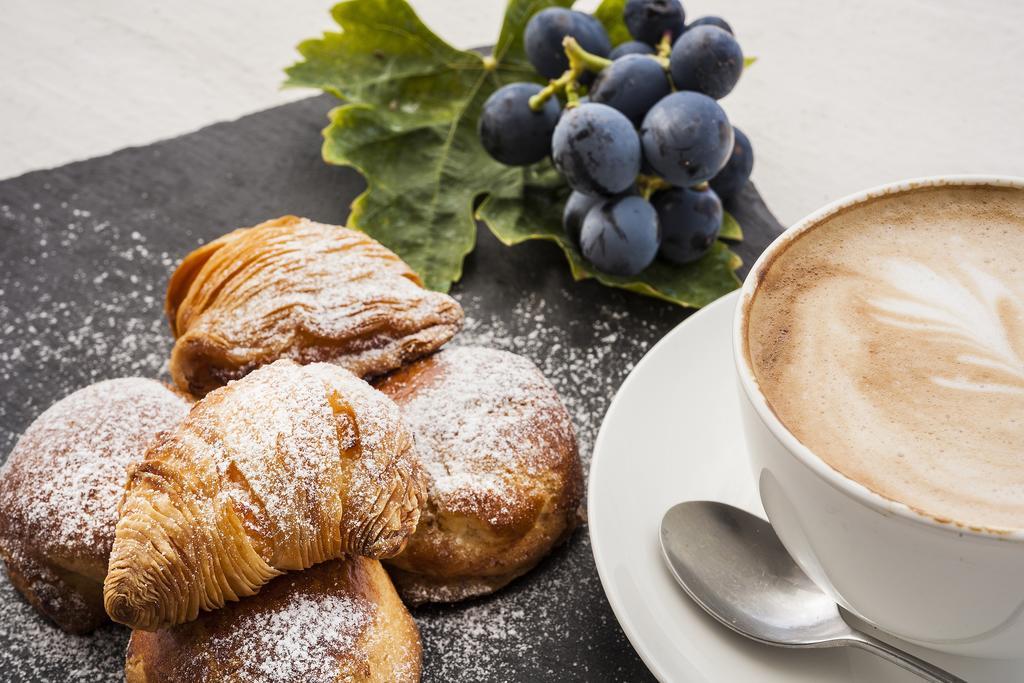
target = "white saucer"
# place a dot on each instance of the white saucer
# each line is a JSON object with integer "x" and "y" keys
{"x": 672, "y": 433}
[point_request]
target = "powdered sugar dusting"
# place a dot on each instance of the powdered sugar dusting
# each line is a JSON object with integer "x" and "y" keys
{"x": 36, "y": 650}
{"x": 293, "y": 424}
{"x": 62, "y": 482}
{"x": 52, "y": 344}
{"x": 319, "y": 625}
{"x": 286, "y": 444}
{"x": 491, "y": 416}
{"x": 294, "y": 288}
{"x": 585, "y": 373}
{"x": 299, "y": 641}
{"x": 342, "y": 272}
{"x": 91, "y": 309}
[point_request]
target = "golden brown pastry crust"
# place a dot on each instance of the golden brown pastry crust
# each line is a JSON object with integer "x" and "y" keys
{"x": 293, "y": 288}
{"x": 60, "y": 487}
{"x": 339, "y": 621}
{"x": 504, "y": 475}
{"x": 290, "y": 466}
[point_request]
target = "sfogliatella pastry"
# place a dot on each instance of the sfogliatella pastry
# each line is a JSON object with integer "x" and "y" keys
{"x": 290, "y": 466}
{"x": 60, "y": 487}
{"x": 292, "y": 288}
{"x": 339, "y": 621}
{"x": 504, "y": 475}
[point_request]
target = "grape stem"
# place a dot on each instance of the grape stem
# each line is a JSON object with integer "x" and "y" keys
{"x": 649, "y": 184}
{"x": 572, "y": 94}
{"x": 664, "y": 49}
{"x": 665, "y": 45}
{"x": 579, "y": 61}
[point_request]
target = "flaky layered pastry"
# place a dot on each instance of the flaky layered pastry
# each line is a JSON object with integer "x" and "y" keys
{"x": 60, "y": 487}
{"x": 339, "y": 621}
{"x": 503, "y": 471}
{"x": 288, "y": 467}
{"x": 293, "y": 288}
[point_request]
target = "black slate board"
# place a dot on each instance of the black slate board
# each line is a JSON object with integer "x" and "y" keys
{"x": 85, "y": 252}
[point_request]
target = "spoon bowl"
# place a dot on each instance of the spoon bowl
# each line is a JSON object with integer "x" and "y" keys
{"x": 735, "y": 567}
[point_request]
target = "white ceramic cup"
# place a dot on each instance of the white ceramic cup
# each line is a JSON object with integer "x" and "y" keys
{"x": 936, "y": 584}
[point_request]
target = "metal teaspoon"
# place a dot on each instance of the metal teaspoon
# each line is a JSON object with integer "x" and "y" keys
{"x": 734, "y": 566}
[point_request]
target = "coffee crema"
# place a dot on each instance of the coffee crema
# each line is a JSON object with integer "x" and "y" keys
{"x": 889, "y": 339}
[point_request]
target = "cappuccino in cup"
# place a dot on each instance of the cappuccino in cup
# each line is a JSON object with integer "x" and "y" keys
{"x": 889, "y": 340}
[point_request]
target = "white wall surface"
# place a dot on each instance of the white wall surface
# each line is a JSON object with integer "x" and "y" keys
{"x": 845, "y": 94}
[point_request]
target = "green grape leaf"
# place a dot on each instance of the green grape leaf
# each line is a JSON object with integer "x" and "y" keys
{"x": 410, "y": 125}
{"x": 538, "y": 215}
{"x": 730, "y": 229}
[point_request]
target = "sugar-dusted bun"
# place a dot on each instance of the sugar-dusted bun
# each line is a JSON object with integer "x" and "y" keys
{"x": 339, "y": 621}
{"x": 60, "y": 488}
{"x": 504, "y": 475}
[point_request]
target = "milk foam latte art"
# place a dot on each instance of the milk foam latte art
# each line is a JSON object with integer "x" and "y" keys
{"x": 889, "y": 339}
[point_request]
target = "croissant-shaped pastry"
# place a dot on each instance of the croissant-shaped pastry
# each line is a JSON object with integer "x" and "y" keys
{"x": 288, "y": 467}
{"x": 292, "y": 288}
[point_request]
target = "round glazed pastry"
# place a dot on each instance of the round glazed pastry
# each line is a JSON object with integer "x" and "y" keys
{"x": 338, "y": 621}
{"x": 60, "y": 488}
{"x": 504, "y": 475}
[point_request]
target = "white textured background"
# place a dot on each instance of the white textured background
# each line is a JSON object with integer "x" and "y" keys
{"x": 845, "y": 95}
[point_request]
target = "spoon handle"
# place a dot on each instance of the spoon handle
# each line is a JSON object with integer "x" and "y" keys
{"x": 927, "y": 671}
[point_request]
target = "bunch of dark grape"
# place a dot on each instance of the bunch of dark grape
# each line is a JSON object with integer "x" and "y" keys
{"x": 636, "y": 130}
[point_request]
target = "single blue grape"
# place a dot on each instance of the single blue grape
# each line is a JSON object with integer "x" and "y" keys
{"x": 513, "y": 133}
{"x": 545, "y": 31}
{"x": 630, "y": 47}
{"x": 649, "y": 20}
{"x": 736, "y": 171}
{"x": 579, "y": 101}
{"x": 576, "y": 208}
{"x": 597, "y": 149}
{"x": 686, "y": 138}
{"x": 632, "y": 84}
{"x": 690, "y": 221}
{"x": 711, "y": 21}
{"x": 621, "y": 236}
{"x": 708, "y": 60}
